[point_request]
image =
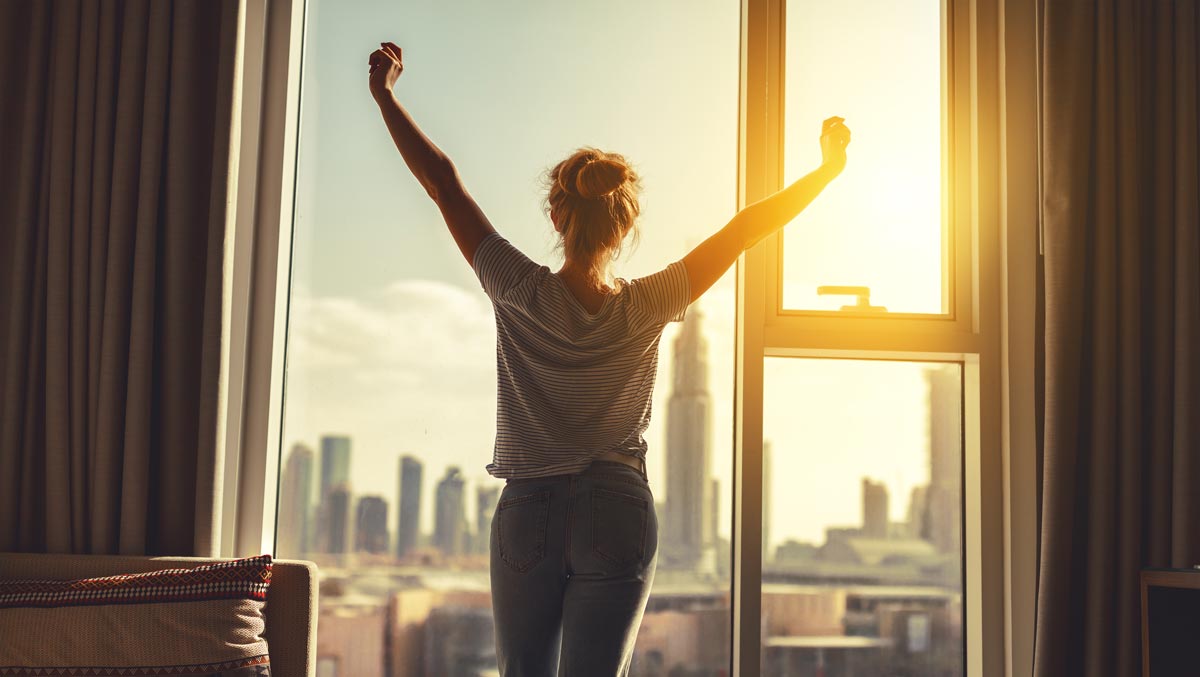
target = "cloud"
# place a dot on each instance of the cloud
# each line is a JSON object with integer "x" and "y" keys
{"x": 410, "y": 327}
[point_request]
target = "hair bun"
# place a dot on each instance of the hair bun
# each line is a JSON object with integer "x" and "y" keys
{"x": 600, "y": 177}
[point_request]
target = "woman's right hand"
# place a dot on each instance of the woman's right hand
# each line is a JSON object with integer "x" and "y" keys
{"x": 835, "y": 136}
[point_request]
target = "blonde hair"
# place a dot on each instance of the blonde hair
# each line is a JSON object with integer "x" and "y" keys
{"x": 595, "y": 198}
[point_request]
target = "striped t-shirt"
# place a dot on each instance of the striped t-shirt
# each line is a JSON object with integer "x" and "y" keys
{"x": 571, "y": 384}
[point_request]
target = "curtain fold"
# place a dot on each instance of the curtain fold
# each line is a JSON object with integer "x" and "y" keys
{"x": 1120, "y": 472}
{"x": 114, "y": 183}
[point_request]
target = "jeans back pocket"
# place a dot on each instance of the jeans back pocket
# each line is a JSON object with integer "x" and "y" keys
{"x": 619, "y": 526}
{"x": 521, "y": 530}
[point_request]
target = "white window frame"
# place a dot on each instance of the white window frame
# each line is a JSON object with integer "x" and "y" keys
{"x": 977, "y": 332}
{"x": 990, "y": 329}
{"x": 267, "y": 115}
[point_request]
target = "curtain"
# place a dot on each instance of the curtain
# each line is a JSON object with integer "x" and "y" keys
{"x": 115, "y": 129}
{"x": 1121, "y": 445}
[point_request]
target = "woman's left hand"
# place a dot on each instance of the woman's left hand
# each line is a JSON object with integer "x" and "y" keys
{"x": 386, "y": 67}
{"x": 835, "y": 136}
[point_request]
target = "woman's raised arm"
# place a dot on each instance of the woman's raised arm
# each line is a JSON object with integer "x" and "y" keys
{"x": 710, "y": 259}
{"x": 466, "y": 221}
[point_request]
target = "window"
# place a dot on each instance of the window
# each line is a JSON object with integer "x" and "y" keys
{"x": 390, "y": 393}
{"x": 381, "y": 481}
{"x": 880, "y": 225}
{"x": 864, "y": 331}
{"x": 862, "y": 515}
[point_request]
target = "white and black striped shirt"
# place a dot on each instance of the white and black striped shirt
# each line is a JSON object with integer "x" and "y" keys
{"x": 570, "y": 384}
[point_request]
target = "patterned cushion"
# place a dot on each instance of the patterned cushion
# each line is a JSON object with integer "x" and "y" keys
{"x": 206, "y": 620}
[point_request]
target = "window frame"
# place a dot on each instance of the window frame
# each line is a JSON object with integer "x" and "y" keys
{"x": 968, "y": 334}
{"x": 990, "y": 330}
{"x": 956, "y": 254}
{"x": 258, "y": 272}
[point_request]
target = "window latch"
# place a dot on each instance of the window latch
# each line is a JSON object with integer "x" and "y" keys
{"x": 862, "y": 293}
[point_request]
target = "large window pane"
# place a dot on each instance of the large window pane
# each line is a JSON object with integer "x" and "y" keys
{"x": 876, "y": 63}
{"x": 389, "y": 404}
{"x": 862, "y": 504}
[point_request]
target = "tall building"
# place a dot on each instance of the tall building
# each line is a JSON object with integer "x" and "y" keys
{"x": 944, "y": 495}
{"x": 714, "y": 510}
{"x": 875, "y": 509}
{"x": 408, "y": 520}
{"x": 485, "y": 506}
{"x": 766, "y": 503}
{"x": 689, "y": 541}
{"x": 335, "y": 472}
{"x": 371, "y": 525}
{"x": 337, "y": 519}
{"x": 335, "y": 462}
{"x": 295, "y": 503}
{"x": 450, "y": 519}
{"x": 917, "y": 514}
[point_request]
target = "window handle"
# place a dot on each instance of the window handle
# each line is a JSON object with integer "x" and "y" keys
{"x": 863, "y": 293}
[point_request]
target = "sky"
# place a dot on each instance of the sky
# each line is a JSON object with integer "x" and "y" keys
{"x": 391, "y": 340}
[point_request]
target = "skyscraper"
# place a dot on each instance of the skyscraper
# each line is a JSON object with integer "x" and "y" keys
{"x": 689, "y": 542}
{"x": 875, "y": 509}
{"x": 408, "y": 523}
{"x": 944, "y": 496}
{"x": 371, "y": 525}
{"x": 766, "y": 505}
{"x": 918, "y": 516}
{"x": 295, "y": 503}
{"x": 714, "y": 509}
{"x": 450, "y": 523}
{"x": 335, "y": 462}
{"x": 337, "y": 516}
{"x": 335, "y": 472}
{"x": 485, "y": 506}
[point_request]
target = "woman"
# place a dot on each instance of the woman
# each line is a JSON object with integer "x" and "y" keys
{"x": 574, "y": 538}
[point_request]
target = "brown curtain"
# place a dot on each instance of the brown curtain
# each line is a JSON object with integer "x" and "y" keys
{"x": 1121, "y": 472}
{"x": 115, "y": 122}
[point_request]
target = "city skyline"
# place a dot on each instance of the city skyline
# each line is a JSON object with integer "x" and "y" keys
{"x": 876, "y": 592}
{"x": 690, "y": 536}
{"x": 904, "y": 609}
{"x": 691, "y": 506}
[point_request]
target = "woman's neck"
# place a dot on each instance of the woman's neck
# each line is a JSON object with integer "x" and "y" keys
{"x": 582, "y": 276}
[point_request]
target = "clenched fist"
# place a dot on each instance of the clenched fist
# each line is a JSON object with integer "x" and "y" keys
{"x": 835, "y": 136}
{"x": 386, "y": 67}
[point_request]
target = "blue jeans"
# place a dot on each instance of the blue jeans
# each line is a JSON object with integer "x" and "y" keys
{"x": 572, "y": 561}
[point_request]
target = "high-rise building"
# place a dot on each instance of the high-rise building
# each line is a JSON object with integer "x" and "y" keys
{"x": 714, "y": 509}
{"x": 371, "y": 525}
{"x": 408, "y": 523}
{"x": 337, "y": 519}
{"x": 768, "y": 478}
{"x": 917, "y": 516}
{"x": 335, "y": 462}
{"x": 485, "y": 506}
{"x": 295, "y": 503}
{"x": 335, "y": 472}
{"x": 689, "y": 541}
{"x": 450, "y": 523}
{"x": 875, "y": 509}
{"x": 944, "y": 496}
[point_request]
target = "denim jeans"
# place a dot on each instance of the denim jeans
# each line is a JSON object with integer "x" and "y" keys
{"x": 572, "y": 561}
